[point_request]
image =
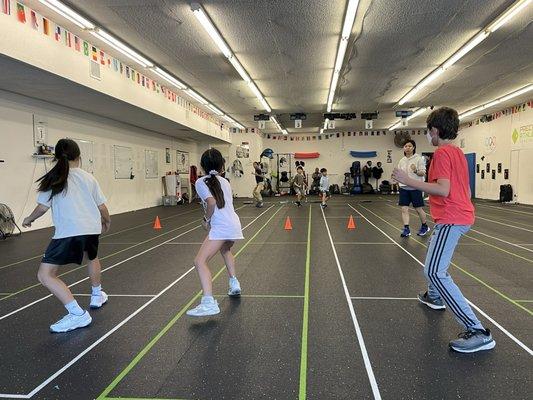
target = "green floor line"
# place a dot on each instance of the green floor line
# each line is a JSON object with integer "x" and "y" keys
{"x": 471, "y": 275}
{"x": 266, "y": 296}
{"x": 102, "y": 258}
{"x": 305, "y": 319}
{"x": 524, "y": 301}
{"x": 483, "y": 242}
{"x": 172, "y": 322}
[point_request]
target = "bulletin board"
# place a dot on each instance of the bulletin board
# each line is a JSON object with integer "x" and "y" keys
{"x": 151, "y": 158}
{"x": 182, "y": 162}
{"x": 123, "y": 162}
{"x": 86, "y": 154}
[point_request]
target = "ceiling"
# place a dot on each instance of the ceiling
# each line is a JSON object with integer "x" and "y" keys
{"x": 288, "y": 48}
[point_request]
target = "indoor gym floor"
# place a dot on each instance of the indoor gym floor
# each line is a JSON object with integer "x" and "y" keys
{"x": 326, "y": 312}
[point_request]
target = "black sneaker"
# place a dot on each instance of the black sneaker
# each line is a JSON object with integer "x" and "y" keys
{"x": 436, "y": 304}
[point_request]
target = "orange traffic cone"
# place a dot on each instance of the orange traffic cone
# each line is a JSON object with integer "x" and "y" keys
{"x": 157, "y": 223}
{"x": 351, "y": 223}
{"x": 288, "y": 224}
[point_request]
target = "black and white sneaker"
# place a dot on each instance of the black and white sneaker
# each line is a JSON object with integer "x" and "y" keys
{"x": 435, "y": 304}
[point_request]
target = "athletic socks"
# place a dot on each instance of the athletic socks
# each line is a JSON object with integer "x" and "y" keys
{"x": 96, "y": 290}
{"x": 208, "y": 299}
{"x": 74, "y": 308}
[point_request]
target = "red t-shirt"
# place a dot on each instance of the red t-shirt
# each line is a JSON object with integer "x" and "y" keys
{"x": 449, "y": 162}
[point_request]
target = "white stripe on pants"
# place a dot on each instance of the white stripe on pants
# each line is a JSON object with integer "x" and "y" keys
{"x": 440, "y": 283}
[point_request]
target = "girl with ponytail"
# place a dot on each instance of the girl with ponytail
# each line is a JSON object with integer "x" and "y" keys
{"x": 224, "y": 228}
{"x": 80, "y": 215}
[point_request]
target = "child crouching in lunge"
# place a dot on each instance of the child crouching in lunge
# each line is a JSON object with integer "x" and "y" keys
{"x": 451, "y": 208}
{"x": 324, "y": 187}
{"x": 224, "y": 228}
{"x": 80, "y": 215}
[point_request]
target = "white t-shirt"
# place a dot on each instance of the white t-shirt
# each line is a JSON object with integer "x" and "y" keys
{"x": 225, "y": 223}
{"x": 406, "y": 164}
{"x": 324, "y": 183}
{"x": 75, "y": 210}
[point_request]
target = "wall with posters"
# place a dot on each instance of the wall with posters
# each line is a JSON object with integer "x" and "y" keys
{"x": 504, "y": 141}
{"x": 102, "y": 136}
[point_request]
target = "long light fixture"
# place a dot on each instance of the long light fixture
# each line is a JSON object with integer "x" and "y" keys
{"x": 413, "y": 115}
{"x": 215, "y": 35}
{"x": 169, "y": 78}
{"x": 124, "y": 49}
{"x": 278, "y": 125}
{"x": 513, "y": 10}
{"x": 121, "y": 47}
{"x": 68, "y": 13}
{"x": 492, "y": 103}
{"x": 347, "y": 27}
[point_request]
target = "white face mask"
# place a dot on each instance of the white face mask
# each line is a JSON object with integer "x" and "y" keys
{"x": 430, "y": 139}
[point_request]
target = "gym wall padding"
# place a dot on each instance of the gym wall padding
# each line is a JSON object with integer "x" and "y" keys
{"x": 363, "y": 154}
{"x": 306, "y": 155}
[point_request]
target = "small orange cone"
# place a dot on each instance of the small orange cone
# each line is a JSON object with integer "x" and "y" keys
{"x": 351, "y": 223}
{"x": 288, "y": 224}
{"x": 157, "y": 223}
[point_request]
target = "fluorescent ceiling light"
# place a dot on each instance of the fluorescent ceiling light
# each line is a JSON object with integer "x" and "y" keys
{"x": 232, "y": 121}
{"x": 196, "y": 97}
{"x": 413, "y": 115}
{"x": 215, "y": 35}
{"x": 508, "y": 15}
{"x": 200, "y": 14}
{"x": 118, "y": 45}
{"x": 68, "y": 13}
{"x": 512, "y": 11}
{"x": 284, "y": 131}
{"x": 169, "y": 78}
{"x": 214, "y": 109}
{"x": 492, "y": 103}
{"x": 347, "y": 27}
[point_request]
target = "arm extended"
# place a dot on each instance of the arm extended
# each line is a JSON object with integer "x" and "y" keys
{"x": 38, "y": 212}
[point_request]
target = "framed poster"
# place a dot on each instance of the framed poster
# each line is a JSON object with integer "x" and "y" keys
{"x": 243, "y": 151}
{"x": 505, "y": 174}
{"x": 477, "y": 168}
{"x": 123, "y": 162}
{"x": 493, "y": 174}
{"x": 483, "y": 174}
{"x": 167, "y": 155}
{"x": 499, "y": 168}
{"x": 487, "y": 167}
{"x": 182, "y": 162}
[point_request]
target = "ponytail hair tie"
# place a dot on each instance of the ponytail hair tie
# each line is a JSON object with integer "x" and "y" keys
{"x": 213, "y": 172}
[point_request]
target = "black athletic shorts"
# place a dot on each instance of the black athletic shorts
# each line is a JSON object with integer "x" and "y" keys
{"x": 70, "y": 250}
{"x": 411, "y": 196}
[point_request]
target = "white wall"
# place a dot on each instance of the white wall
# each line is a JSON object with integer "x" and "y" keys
{"x": 243, "y": 186}
{"x": 19, "y": 171}
{"x": 494, "y": 141}
{"x": 335, "y": 152}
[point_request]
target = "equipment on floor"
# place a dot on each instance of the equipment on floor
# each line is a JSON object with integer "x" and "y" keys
{"x": 506, "y": 193}
{"x": 157, "y": 223}
{"x": 385, "y": 187}
{"x": 7, "y": 223}
{"x": 366, "y": 188}
{"x": 355, "y": 171}
{"x": 288, "y": 224}
{"x": 351, "y": 223}
{"x": 334, "y": 189}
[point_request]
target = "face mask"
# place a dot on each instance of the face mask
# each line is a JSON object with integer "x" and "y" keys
{"x": 430, "y": 139}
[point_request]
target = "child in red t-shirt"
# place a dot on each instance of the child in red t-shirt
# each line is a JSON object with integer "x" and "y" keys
{"x": 453, "y": 213}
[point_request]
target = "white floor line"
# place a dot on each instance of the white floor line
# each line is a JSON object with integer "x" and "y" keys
{"x": 384, "y": 298}
{"x": 501, "y": 328}
{"x": 117, "y": 244}
{"x": 489, "y": 236}
{"x": 503, "y": 223}
{"x": 116, "y": 295}
{"x": 101, "y": 339}
{"x": 504, "y": 209}
{"x": 182, "y": 243}
{"x": 363, "y": 243}
{"x": 364, "y": 352}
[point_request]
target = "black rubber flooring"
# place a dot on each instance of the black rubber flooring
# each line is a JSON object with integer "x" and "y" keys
{"x": 326, "y": 312}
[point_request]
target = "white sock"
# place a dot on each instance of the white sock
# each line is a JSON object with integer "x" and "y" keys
{"x": 208, "y": 299}
{"x": 96, "y": 290}
{"x": 74, "y": 308}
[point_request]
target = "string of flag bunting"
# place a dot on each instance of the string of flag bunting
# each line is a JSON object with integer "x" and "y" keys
{"x": 61, "y": 35}
{"x": 498, "y": 114}
{"x": 328, "y": 136}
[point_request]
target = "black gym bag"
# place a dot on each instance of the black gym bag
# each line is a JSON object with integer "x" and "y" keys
{"x": 506, "y": 193}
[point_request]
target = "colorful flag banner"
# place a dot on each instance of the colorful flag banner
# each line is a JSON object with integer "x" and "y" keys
{"x": 102, "y": 57}
{"x": 46, "y": 26}
{"x": 85, "y": 49}
{"x": 58, "y": 33}
{"x": 34, "y": 23}
{"x": 77, "y": 43}
{"x": 6, "y": 7}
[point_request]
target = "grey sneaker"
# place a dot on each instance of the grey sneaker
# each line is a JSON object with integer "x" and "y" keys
{"x": 234, "y": 288}
{"x": 436, "y": 304}
{"x": 473, "y": 340}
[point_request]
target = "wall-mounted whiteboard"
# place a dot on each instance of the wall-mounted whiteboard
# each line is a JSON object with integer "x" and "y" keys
{"x": 182, "y": 162}
{"x": 123, "y": 162}
{"x": 86, "y": 154}
{"x": 151, "y": 158}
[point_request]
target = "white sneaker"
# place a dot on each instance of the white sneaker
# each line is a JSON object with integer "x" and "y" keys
{"x": 204, "y": 309}
{"x": 70, "y": 322}
{"x": 98, "y": 301}
{"x": 234, "y": 288}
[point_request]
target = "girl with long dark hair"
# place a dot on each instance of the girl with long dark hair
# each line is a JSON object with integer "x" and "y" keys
{"x": 224, "y": 228}
{"x": 80, "y": 215}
